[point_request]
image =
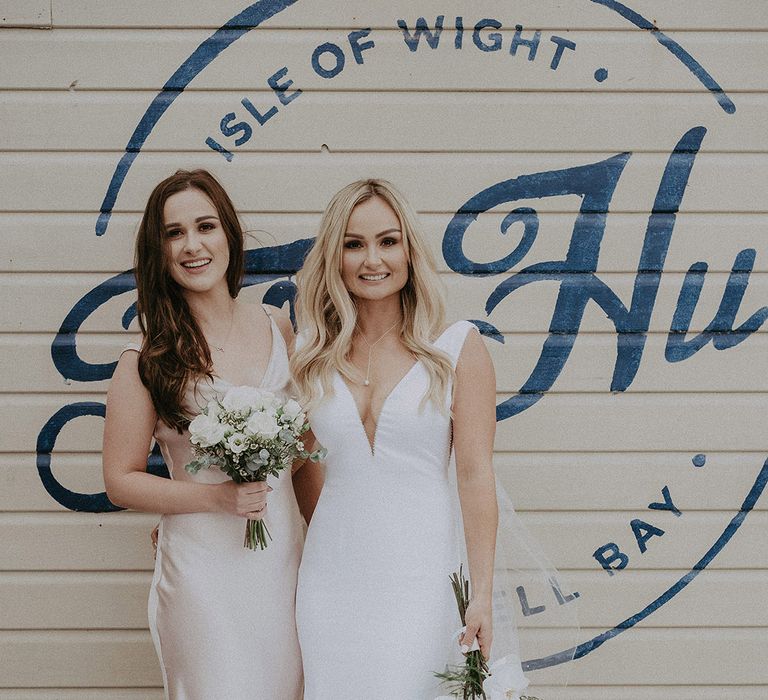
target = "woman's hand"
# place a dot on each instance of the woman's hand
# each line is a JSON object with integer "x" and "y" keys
{"x": 247, "y": 500}
{"x": 479, "y": 622}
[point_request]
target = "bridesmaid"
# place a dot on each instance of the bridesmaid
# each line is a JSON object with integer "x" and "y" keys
{"x": 221, "y": 616}
{"x": 392, "y": 394}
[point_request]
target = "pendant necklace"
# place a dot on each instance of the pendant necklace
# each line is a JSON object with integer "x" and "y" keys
{"x": 371, "y": 346}
{"x": 226, "y": 338}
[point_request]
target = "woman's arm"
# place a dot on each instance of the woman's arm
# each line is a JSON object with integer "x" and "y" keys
{"x": 128, "y": 429}
{"x": 308, "y": 476}
{"x": 474, "y": 429}
{"x": 307, "y": 484}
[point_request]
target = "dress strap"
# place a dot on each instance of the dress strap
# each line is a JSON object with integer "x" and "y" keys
{"x": 451, "y": 340}
{"x": 277, "y": 373}
{"x": 136, "y": 347}
{"x": 277, "y": 334}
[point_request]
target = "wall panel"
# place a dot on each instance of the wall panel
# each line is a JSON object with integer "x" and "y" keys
{"x": 603, "y": 414}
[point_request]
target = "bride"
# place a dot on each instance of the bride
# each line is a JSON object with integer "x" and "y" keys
{"x": 392, "y": 393}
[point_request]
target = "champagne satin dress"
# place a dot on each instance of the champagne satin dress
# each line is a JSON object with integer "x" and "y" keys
{"x": 222, "y": 616}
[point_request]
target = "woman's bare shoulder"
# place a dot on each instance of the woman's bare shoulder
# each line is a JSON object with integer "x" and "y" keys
{"x": 283, "y": 321}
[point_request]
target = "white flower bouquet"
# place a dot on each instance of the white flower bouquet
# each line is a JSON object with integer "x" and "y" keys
{"x": 249, "y": 434}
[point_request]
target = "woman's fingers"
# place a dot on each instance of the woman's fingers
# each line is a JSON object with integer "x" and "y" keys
{"x": 242, "y": 499}
{"x": 254, "y": 487}
{"x": 251, "y": 506}
{"x": 257, "y": 514}
{"x": 252, "y": 499}
{"x": 468, "y": 638}
{"x": 485, "y": 640}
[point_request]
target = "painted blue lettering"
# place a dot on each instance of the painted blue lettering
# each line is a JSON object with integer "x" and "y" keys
{"x": 532, "y": 44}
{"x": 494, "y": 37}
{"x": 258, "y": 116}
{"x": 595, "y": 185}
{"x": 281, "y": 89}
{"x": 562, "y": 598}
{"x": 228, "y": 129}
{"x": 64, "y": 348}
{"x": 524, "y": 606}
{"x": 611, "y": 558}
{"x": 562, "y": 44}
{"x": 216, "y": 146}
{"x": 412, "y": 40}
{"x": 358, "y": 48}
{"x": 579, "y": 284}
{"x": 667, "y": 504}
{"x": 720, "y": 330}
{"x": 46, "y": 441}
{"x": 643, "y": 531}
{"x": 459, "y": 39}
{"x": 336, "y": 52}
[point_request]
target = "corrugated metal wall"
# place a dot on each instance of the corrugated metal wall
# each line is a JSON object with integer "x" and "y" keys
{"x": 616, "y": 412}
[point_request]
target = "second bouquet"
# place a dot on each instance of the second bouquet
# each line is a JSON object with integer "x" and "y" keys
{"x": 250, "y": 435}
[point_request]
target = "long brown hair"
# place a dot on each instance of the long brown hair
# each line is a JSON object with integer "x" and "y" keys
{"x": 174, "y": 350}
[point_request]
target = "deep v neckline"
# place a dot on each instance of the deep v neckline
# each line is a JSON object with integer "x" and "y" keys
{"x": 372, "y": 443}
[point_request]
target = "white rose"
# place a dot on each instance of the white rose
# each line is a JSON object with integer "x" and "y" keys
{"x": 236, "y": 443}
{"x": 266, "y": 401}
{"x": 261, "y": 423}
{"x": 240, "y": 398}
{"x": 213, "y": 409}
{"x": 292, "y": 409}
{"x": 506, "y": 680}
{"x": 206, "y": 431}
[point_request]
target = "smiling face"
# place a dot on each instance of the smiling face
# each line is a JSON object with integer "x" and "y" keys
{"x": 197, "y": 249}
{"x": 374, "y": 263}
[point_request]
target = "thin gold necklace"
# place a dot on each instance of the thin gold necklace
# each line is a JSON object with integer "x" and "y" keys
{"x": 371, "y": 346}
{"x": 229, "y": 332}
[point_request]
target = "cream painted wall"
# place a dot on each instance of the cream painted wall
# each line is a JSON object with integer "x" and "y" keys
{"x": 444, "y": 123}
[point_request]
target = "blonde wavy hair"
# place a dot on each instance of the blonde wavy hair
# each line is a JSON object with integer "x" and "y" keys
{"x": 327, "y": 313}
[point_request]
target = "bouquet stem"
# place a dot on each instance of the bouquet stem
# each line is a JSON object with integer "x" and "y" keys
{"x": 256, "y": 535}
{"x": 476, "y": 670}
{"x": 465, "y": 681}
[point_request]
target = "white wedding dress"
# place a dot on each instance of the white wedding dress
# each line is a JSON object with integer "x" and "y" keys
{"x": 375, "y": 610}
